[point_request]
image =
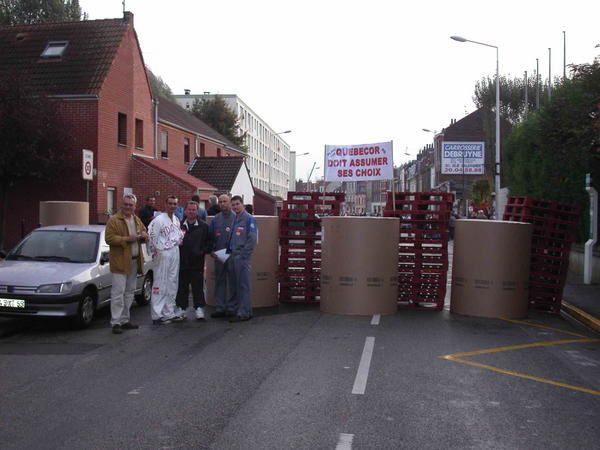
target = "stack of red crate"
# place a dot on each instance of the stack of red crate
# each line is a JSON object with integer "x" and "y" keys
{"x": 300, "y": 243}
{"x": 423, "y": 247}
{"x": 554, "y": 228}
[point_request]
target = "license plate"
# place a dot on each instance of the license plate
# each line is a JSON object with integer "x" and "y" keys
{"x": 12, "y": 303}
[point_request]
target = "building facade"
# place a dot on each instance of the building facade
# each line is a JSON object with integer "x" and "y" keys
{"x": 268, "y": 153}
{"x": 96, "y": 78}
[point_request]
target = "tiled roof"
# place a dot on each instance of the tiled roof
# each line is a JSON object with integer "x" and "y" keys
{"x": 178, "y": 174}
{"x": 92, "y": 45}
{"x": 221, "y": 172}
{"x": 174, "y": 114}
{"x": 469, "y": 127}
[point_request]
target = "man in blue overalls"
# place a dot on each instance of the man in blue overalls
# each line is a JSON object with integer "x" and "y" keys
{"x": 241, "y": 245}
{"x": 220, "y": 230}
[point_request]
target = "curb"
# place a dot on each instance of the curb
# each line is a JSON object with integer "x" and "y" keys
{"x": 581, "y": 316}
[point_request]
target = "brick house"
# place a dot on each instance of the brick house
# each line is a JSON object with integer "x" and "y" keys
{"x": 95, "y": 72}
{"x": 265, "y": 204}
{"x": 475, "y": 127}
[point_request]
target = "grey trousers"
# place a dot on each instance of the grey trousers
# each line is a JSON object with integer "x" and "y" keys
{"x": 121, "y": 295}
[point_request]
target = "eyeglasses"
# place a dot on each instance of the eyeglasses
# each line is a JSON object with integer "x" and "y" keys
{"x": 172, "y": 204}
{"x": 129, "y": 204}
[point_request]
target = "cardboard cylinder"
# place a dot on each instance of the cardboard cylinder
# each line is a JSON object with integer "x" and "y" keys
{"x": 359, "y": 265}
{"x": 490, "y": 269}
{"x": 263, "y": 266}
{"x": 64, "y": 213}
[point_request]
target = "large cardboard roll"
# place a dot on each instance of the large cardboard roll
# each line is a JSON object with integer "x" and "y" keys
{"x": 263, "y": 266}
{"x": 64, "y": 213}
{"x": 490, "y": 269}
{"x": 359, "y": 265}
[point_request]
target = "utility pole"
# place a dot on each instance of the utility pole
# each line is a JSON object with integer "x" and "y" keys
{"x": 526, "y": 95}
{"x": 549, "y": 74}
{"x": 564, "y": 56}
{"x": 537, "y": 83}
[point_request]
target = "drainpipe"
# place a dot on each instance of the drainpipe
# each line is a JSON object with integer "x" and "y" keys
{"x": 155, "y": 103}
{"x": 589, "y": 245}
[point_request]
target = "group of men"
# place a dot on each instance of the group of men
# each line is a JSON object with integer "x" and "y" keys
{"x": 178, "y": 248}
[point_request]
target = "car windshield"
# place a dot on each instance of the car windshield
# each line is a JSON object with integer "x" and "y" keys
{"x": 58, "y": 245}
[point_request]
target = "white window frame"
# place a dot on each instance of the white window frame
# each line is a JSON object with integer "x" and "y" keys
{"x": 54, "y": 49}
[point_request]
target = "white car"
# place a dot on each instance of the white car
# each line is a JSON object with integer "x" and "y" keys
{"x": 63, "y": 271}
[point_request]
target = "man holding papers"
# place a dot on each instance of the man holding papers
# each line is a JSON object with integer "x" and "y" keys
{"x": 240, "y": 248}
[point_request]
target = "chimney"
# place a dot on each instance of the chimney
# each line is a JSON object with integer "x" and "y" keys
{"x": 187, "y": 91}
{"x": 128, "y": 17}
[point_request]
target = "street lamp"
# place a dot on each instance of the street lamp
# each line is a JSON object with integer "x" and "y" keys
{"x": 314, "y": 166}
{"x": 273, "y": 160}
{"x": 497, "y": 164}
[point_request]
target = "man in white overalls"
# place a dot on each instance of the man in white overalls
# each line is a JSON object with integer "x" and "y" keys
{"x": 165, "y": 236}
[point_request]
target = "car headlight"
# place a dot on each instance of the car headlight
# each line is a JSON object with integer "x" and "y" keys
{"x": 57, "y": 288}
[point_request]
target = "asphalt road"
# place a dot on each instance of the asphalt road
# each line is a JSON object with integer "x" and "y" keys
{"x": 285, "y": 380}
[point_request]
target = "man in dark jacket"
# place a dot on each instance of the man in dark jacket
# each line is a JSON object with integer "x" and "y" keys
{"x": 197, "y": 242}
{"x": 214, "y": 208}
{"x": 147, "y": 212}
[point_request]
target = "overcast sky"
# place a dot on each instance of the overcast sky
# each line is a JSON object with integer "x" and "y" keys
{"x": 353, "y": 72}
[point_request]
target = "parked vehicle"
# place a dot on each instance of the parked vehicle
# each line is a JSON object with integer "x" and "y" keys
{"x": 63, "y": 271}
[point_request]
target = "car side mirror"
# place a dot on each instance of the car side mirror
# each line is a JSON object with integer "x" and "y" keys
{"x": 104, "y": 258}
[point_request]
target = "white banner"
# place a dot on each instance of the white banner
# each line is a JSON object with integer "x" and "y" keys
{"x": 455, "y": 154}
{"x": 363, "y": 162}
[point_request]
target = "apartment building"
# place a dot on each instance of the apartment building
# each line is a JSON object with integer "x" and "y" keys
{"x": 268, "y": 153}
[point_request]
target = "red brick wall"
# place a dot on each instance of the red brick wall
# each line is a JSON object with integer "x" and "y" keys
{"x": 263, "y": 205}
{"x": 79, "y": 118}
{"x": 176, "y": 154}
{"x": 148, "y": 181}
{"x": 125, "y": 90}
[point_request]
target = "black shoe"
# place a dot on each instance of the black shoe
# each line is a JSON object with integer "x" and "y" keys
{"x": 116, "y": 329}
{"x": 219, "y": 315}
{"x": 231, "y": 314}
{"x": 130, "y": 326}
{"x": 240, "y": 319}
{"x": 161, "y": 321}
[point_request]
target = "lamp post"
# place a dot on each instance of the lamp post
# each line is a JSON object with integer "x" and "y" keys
{"x": 310, "y": 175}
{"x": 293, "y": 164}
{"x": 497, "y": 162}
{"x": 273, "y": 159}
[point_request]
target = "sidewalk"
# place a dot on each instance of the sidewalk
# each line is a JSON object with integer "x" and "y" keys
{"x": 582, "y": 301}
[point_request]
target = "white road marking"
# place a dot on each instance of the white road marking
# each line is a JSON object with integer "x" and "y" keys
{"x": 345, "y": 442}
{"x": 360, "y": 382}
{"x": 136, "y": 391}
{"x": 375, "y": 320}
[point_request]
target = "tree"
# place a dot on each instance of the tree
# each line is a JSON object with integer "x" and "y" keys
{"x": 159, "y": 87}
{"x": 481, "y": 191}
{"x": 15, "y": 12}
{"x": 512, "y": 96}
{"x": 31, "y": 141}
{"x": 548, "y": 155}
{"x": 215, "y": 113}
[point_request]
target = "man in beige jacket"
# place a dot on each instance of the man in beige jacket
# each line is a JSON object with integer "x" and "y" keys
{"x": 124, "y": 234}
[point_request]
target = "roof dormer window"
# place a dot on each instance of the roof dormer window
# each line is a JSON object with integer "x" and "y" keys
{"x": 55, "y": 49}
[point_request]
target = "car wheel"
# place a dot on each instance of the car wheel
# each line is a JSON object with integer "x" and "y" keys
{"x": 144, "y": 297}
{"x": 86, "y": 310}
